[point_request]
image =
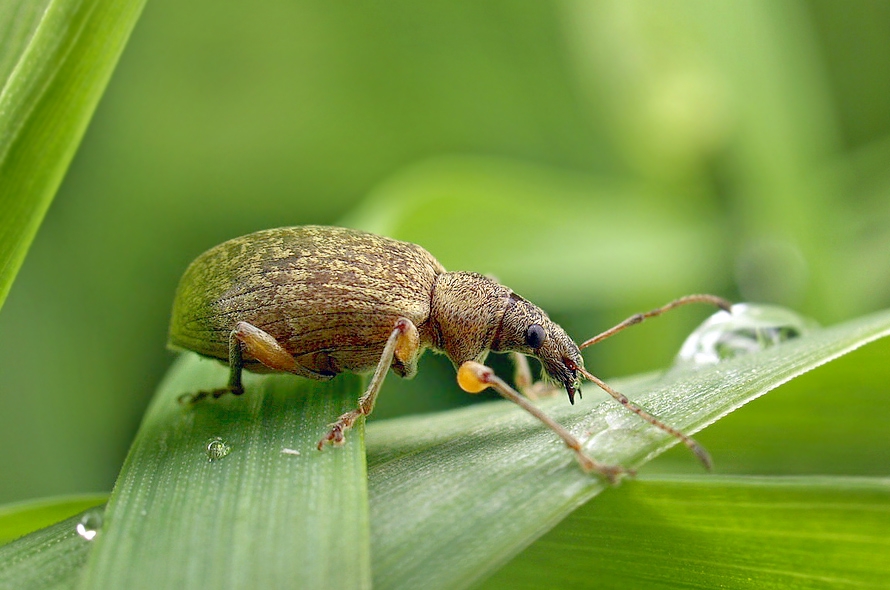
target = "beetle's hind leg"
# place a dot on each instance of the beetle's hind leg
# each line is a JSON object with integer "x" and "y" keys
{"x": 258, "y": 344}
{"x": 403, "y": 344}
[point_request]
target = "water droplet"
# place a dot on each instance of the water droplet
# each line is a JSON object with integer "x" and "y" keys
{"x": 749, "y": 328}
{"x": 217, "y": 448}
{"x": 89, "y": 524}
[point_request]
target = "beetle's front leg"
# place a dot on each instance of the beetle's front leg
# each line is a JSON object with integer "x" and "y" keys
{"x": 258, "y": 344}
{"x": 474, "y": 377}
{"x": 525, "y": 383}
{"x": 403, "y": 344}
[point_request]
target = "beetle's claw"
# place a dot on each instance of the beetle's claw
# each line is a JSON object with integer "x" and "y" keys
{"x": 336, "y": 436}
{"x": 193, "y": 398}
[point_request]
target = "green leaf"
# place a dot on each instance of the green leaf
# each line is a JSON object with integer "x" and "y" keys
{"x": 453, "y": 496}
{"x": 829, "y": 422}
{"x": 24, "y": 517}
{"x": 56, "y": 59}
{"x": 49, "y": 558}
{"x": 261, "y": 516}
{"x": 488, "y": 480}
{"x": 717, "y": 532}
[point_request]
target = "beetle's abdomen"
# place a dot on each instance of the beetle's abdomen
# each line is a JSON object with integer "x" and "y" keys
{"x": 329, "y": 296}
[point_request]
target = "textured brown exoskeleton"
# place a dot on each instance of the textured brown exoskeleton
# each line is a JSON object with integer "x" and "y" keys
{"x": 316, "y": 301}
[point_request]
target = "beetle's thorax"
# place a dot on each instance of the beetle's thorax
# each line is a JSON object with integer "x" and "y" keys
{"x": 465, "y": 314}
{"x": 471, "y": 315}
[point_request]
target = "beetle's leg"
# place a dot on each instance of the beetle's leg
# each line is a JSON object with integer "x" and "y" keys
{"x": 474, "y": 377}
{"x": 258, "y": 344}
{"x": 404, "y": 344}
{"x": 525, "y": 383}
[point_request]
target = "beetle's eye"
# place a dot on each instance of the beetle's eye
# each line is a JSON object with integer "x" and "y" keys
{"x": 534, "y": 336}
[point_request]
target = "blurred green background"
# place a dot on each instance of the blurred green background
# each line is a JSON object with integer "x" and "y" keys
{"x": 600, "y": 158}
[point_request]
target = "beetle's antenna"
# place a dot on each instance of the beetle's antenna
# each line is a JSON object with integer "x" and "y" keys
{"x": 637, "y": 318}
{"x": 687, "y": 440}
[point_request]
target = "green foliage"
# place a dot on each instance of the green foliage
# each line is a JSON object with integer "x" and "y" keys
{"x": 600, "y": 158}
{"x": 452, "y": 496}
{"x": 24, "y": 517}
{"x": 57, "y": 59}
{"x": 47, "y": 559}
{"x": 716, "y": 532}
{"x": 178, "y": 519}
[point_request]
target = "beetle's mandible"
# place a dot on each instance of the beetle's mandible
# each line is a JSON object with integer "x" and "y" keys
{"x": 317, "y": 300}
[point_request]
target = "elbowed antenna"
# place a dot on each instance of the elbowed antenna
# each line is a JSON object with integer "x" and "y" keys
{"x": 687, "y": 440}
{"x": 637, "y": 318}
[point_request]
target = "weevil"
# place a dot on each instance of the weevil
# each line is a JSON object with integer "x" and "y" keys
{"x": 316, "y": 301}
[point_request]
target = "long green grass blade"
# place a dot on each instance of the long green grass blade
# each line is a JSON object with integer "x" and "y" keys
{"x": 455, "y": 495}
{"x": 22, "y": 518}
{"x": 57, "y": 57}
{"x": 832, "y": 421}
{"x": 261, "y": 516}
{"x": 717, "y": 532}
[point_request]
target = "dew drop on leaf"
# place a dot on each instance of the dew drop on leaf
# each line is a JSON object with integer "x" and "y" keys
{"x": 89, "y": 524}
{"x": 749, "y": 328}
{"x": 217, "y": 448}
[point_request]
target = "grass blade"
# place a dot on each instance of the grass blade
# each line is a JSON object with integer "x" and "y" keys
{"x": 22, "y": 518}
{"x": 57, "y": 59}
{"x": 49, "y": 558}
{"x": 717, "y": 532}
{"x": 488, "y": 480}
{"x": 256, "y": 517}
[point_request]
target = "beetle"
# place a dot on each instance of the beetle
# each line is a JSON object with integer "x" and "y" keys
{"x": 316, "y": 301}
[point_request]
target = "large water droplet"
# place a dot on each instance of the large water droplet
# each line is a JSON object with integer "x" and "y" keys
{"x": 217, "y": 448}
{"x": 749, "y": 328}
{"x": 89, "y": 524}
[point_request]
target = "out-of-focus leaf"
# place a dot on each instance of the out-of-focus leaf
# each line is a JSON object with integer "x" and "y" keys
{"x": 24, "y": 517}
{"x": 51, "y": 558}
{"x": 696, "y": 87}
{"x": 717, "y": 532}
{"x": 573, "y": 240}
{"x": 55, "y": 60}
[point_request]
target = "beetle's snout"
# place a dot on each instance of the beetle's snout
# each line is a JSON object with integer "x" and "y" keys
{"x": 571, "y": 383}
{"x": 564, "y": 371}
{"x": 562, "y": 360}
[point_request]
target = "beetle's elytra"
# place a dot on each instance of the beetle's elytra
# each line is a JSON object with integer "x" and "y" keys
{"x": 316, "y": 301}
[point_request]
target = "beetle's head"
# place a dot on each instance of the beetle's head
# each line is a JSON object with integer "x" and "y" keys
{"x": 526, "y": 329}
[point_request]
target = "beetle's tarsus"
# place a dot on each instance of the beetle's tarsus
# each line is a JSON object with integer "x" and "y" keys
{"x": 193, "y": 398}
{"x": 337, "y": 435}
{"x": 612, "y": 473}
